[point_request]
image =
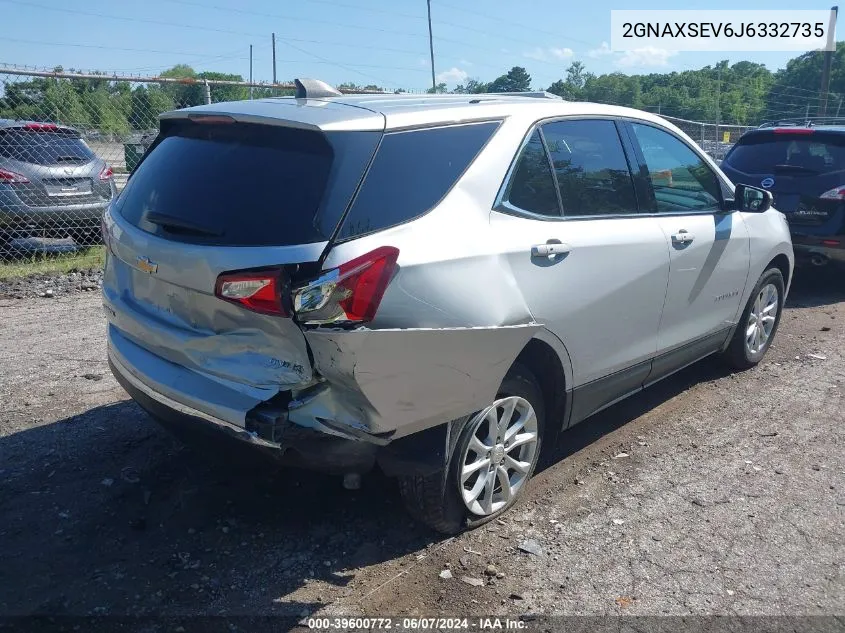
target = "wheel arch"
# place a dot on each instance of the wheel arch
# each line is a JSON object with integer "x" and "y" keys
{"x": 546, "y": 357}
{"x": 782, "y": 263}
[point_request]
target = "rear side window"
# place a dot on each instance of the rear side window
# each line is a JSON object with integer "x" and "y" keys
{"x": 241, "y": 184}
{"x": 411, "y": 173}
{"x": 681, "y": 180}
{"x": 770, "y": 153}
{"x": 532, "y": 186}
{"x": 590, "y": 166}
{"x": 43, "y": 148}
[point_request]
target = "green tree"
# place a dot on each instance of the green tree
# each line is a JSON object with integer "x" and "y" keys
{"x": 438, "y": 89}
{"x": 517, "y": 79}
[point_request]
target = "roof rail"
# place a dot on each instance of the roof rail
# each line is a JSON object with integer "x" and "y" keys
{"x": 537, "y": 94}
{"x": 789, "y": 123}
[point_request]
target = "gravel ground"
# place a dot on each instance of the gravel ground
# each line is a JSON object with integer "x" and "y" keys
{"x": 711, "y": 493}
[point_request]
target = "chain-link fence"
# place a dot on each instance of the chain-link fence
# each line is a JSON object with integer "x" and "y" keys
{"x": 714, "y": 138}
{"x": 68, "y": 142}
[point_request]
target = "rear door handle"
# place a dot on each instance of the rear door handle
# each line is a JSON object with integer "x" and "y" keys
{"x": 683, "y": 237}
{"x": 549, "y": 249}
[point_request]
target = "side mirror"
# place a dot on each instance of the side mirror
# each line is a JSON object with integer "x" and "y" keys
{"x": 752, "y": 199}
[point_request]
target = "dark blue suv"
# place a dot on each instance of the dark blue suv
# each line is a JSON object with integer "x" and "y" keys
{"x": 804, "y": 168}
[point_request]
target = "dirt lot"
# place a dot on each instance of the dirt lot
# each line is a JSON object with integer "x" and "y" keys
{"x": 712, "y": 493}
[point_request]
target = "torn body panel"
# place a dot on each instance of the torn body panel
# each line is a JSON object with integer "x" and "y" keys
{"x": 402, "y": 381}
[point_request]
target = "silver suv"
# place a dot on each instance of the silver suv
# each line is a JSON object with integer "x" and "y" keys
{"x": 51, "y": 186}
{"x": 434, "y": 284}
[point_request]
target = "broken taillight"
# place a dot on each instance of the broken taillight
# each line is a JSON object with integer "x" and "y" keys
{"x": 257, "y": 291}
{"x": 351, "y": 292}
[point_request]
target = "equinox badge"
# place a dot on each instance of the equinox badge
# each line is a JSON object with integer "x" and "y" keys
{"x": 147, "y": 265}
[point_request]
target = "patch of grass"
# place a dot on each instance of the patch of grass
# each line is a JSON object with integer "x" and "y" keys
{"x": 47, "y": 264}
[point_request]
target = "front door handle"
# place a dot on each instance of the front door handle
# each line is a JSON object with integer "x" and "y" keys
{"x": 549, "y": 249}
{"x": 683, "y": 237}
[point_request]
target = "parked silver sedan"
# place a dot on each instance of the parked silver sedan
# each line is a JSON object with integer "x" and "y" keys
{"x": 439, "y": 285}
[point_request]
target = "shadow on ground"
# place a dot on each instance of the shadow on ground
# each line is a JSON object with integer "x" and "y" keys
{"x": 105, "y": 513}
{"x": 813, "y": 287}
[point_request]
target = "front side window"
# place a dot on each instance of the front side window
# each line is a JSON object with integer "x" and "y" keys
{"x": 590, "y": 167}
{"x": 681, "y": 180}
{"x": 532, "y": 186}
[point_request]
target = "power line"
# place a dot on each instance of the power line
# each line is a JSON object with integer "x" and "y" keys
{"x": 108, "y": 48}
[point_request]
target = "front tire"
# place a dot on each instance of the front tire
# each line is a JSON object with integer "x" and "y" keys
{"x": 759, "y": 322}
{"x": 490, "y": 464}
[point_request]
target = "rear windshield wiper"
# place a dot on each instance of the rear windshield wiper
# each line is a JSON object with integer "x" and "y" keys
{"x": 179, "y": 225}
{"x": 808, "y": 170}
{"x": 68, "y": 158}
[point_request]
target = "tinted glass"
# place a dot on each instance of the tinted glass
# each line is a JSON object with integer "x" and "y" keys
{"x": 590, "y": 167}
{"x": 235, "y": 184}
{"x": 43, "y": 148}
{"x": 411, "y": 173}
{"x": 795, "y": 153}
{"x": 532, "y": 186}
{"x": 680, "y": 178}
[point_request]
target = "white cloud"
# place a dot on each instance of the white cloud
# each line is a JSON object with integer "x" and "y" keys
{"x": 548, "y": 54}
{"x": 561, "y": 53}
{"x": 601, "y": 51}
{"x": 452, "y": 76}
{"x": 645, "y": 57}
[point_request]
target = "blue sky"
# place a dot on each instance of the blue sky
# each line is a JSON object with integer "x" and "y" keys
{"x": 363, "y": 41}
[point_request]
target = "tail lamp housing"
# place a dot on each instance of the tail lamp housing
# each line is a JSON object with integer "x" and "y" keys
{"x": 259, "y": 291}
{"x": 350, "y": 293}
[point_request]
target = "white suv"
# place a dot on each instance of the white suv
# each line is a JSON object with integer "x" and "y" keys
{"x": 434, "y": 284}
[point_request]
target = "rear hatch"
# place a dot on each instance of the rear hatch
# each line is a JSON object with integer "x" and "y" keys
{"x": 53, "y": 166}
{"x": 804, "y": 168}
{"x": 216, "y": 196}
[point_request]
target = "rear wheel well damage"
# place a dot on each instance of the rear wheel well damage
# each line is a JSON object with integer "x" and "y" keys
{"x": 545, "y": 364}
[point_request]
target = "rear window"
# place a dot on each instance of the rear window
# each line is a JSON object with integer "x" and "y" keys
{"x": 411, "y": 173}
{"x": 770, "y": 153}
{"x": 243, "y": 184}
{"x": 43, "y": 148}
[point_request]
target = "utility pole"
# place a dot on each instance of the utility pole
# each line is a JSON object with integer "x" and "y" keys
{"x": 431, "y": 47}
{"x": 250, "y": 71}
{"x": 718, "y": 103}
{"x": 274, "y": 58}
{"x": 828, "y": 58}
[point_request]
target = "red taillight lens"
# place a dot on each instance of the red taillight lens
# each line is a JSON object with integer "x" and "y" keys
{"x": 106, "y": 172}
{"x": 11, "y": 177}
{"x": 351, "y": 293}
{"x": 830, "y": 242}
{"x": 256, "y": 291}
{"x": 792, "y": 130}
{"x": 40, "y": 127}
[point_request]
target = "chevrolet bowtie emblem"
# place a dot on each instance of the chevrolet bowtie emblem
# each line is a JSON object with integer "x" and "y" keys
{"x": 147, "y": 265}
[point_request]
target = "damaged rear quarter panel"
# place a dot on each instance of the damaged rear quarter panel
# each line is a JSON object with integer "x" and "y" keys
{"x": 406, "y": 380}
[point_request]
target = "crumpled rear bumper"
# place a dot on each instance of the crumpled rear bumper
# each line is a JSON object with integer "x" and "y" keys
{"x": 382, "y": 394}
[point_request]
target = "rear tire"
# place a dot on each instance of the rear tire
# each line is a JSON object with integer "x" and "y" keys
{"x": 438, "y": 500}
{"x": 759, "y": 322}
